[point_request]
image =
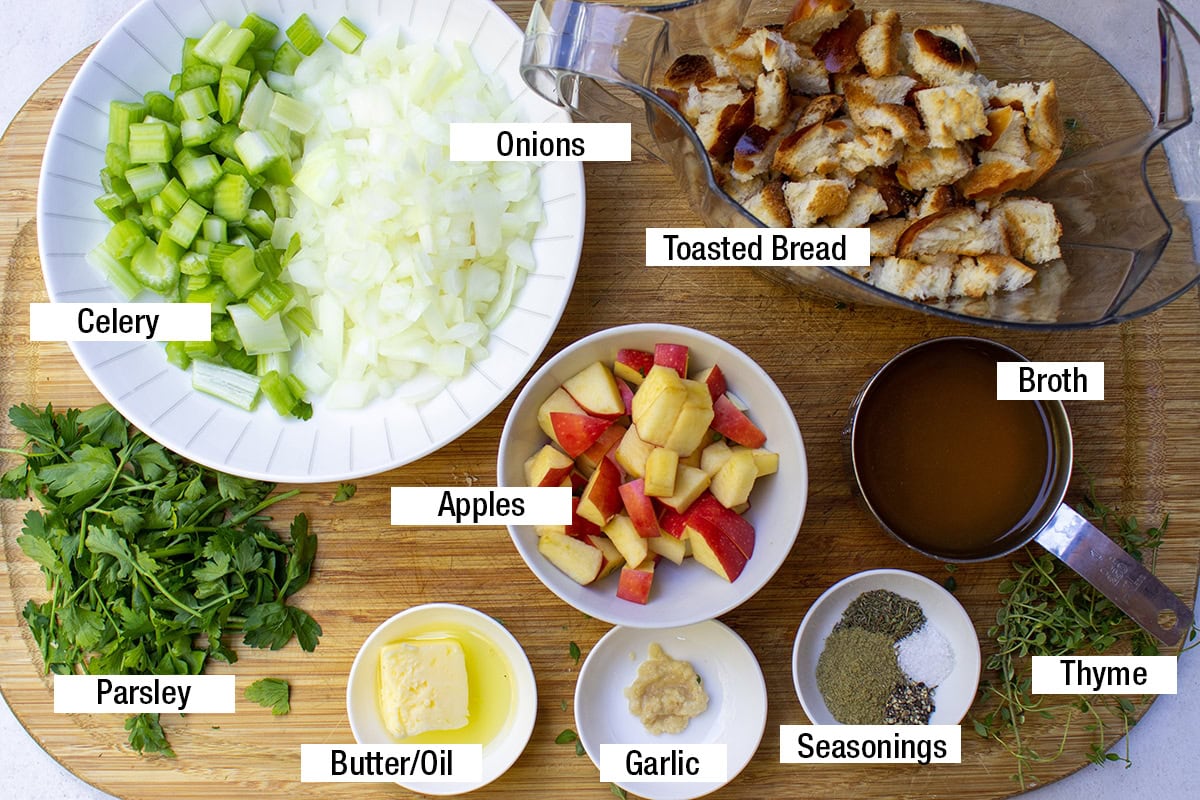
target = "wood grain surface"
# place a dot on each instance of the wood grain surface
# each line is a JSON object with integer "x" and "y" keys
{"x": 1141, "y": 447}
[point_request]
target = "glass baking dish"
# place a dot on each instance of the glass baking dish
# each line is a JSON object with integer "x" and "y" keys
{"x": 1125, "y": 189}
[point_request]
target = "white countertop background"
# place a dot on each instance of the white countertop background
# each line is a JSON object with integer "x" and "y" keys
{"x": 36, "y": 38}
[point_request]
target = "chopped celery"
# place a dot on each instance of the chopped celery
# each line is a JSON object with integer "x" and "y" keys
{"x": 120, "y": 116}
{"x": 155, "y": 270}
{"x": 258, "y": 150}
{"x": 117, "y": 273}
{"x": 223, "y": 330}
{"x": 259, "y": 335}
{"x": 256, "y": 108}
{"x": 158, "y": 105}
{"x": 216, "y": 294}
{"x": 229, "y": 384}
{"x": 302, "y": 318}
{"x": 111, "y": 206}
{"x": 215, "y": 229}
{"x": 235, "y": 264}
{"x": 174, "y": 195}
{"x": 274, "y": 362}
{"x": 196, "y": 103}
{"x": 197, "y": 132}
{"x": 194, "y": 263}
{"x": 292, "y": 114}
{"x": 222, "y": 145}
{"x": 201, "y": 173}
{"x": 287, "y": 58}
{"x": 196, "y": 76}
{"x": 116, "y": 160}
{"x": 304, "y": 35}
{"x": 277, "y": 392}
{"x": 266, "y": 258}
{"x": 263, "y": 29}
{"x": 231, "y": 91}
{"x": 124, "y": 239}
{"x": 193, "y": 282}
{"x": 186, "y": 223}
{"x": 149, "y": 143}
{"x": 177, "y": 355}
{"x": 146, "y": 180}
{"x": 346, "y": 36}
{"x": 259, "y": 223}
{"x": 231, "y": 197}
{"x": 238, "y": 359}
{"x": 223, "y": 45}
{"x": 202, "y": 350}
{"x": 270, "y": 298}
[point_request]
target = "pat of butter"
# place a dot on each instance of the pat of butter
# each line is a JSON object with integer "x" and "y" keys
{"x": 423, "y": 687}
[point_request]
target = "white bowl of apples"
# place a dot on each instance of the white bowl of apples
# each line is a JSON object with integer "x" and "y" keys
{"x": 688, "y": 472}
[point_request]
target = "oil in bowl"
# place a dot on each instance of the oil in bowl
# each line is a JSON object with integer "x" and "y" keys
{"x": 459, "y": 644}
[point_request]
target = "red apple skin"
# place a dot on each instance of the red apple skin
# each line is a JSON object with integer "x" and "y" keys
{"x": 729, "y": 557}
{"x": 640, "y": 508}
{"x": 714, "y": 379}
{"x": 626, "y": 396}
{"x": 602, "y": 446}
{"x": 674, "y": 356}
{"x": 577, "y": 432}
{"x": 672, "y": 522}
{"x": 578, "y": 481}
{"x": 634, "y": 585}
{"x": 581, "y": 528}
{"x": 605, "y": 488}
{"x": 707, "y": 512}
{"x": 733, "y": 424}
{"x": 637, "y": 362}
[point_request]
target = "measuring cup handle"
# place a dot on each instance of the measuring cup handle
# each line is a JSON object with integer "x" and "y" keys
{"x": 1121, "y": 578}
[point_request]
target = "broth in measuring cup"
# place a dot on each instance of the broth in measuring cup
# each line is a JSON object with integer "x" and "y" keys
{"x": 941, "y": 462}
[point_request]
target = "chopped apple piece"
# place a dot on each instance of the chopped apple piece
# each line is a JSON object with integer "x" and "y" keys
{"x": 548, "y": 467}
{"x": 716, "y": 551}
{"x": 579, "y": 526}
{"x": 575, "y": 433}
{"x": 670, "y": 548}
{"x": 595, "y": 390}
{"x": 632, "y": 453}
{"x": 633, "y": 365}
{"x": 673, "y": 523}
{"x": 715, "y": 456}
{"x": 635, "y": 582}
{"x": 692, "y": 423}
{"x": 560, "y": 401}
{"x": 601, "y": 498}
{"x": 589, "y": 458}
{"x": 692, "y": 459}
{"x": 708, "y": 512}
{"x": 766, "y": 461}
{"x": 657, "y": 404}
{"x": 626, "y": 396}
{"x": 626, "y": 539}
{"x": 674, "y": 356}
{"x": 690, "y": 483}
{"x": 613, "y": 560}
{"x": 640, "y": 508}
{"x": 661, "y": 466}
{"x": 580, "y": 560}
{"x": 733, "y": 482}
{"x": 714, "y": 379}
{"x": 732, "y": 423}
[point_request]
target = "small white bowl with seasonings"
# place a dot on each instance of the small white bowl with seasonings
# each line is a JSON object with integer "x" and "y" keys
{"x": 886, "y": 646}
{"x": 735, "y": 714}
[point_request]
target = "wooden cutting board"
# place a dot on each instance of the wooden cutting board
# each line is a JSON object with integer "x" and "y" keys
{"x": 1141, "y": 447}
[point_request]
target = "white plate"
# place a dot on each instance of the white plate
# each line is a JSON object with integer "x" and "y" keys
{"x": 952, "y": 698}
{"x": 690, "y": 592}
{"x": 362, "y": 692}
{"x": 139, "y": 54}
{"x": 737, "y": 698}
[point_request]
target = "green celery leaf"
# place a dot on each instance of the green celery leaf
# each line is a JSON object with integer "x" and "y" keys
{"x": 304, "y": 548}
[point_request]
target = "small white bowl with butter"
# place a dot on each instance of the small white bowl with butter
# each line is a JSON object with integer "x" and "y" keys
{"x": 444, "y": 674}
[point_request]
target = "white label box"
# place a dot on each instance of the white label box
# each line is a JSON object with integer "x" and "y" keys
{"x": 870, "y": 744}
{"x": 542, "y": 142}
{"x": 664, "y": 763}
{"x": 1105, "y": 674}
{"x": 144, "y": 694}
{"x": 120, "y": 322}
{"x": 758, "y": 247}
{"x": 461, "y": 505}
{"x": 389, "y": 763}
{"x": 1050, "y": 380}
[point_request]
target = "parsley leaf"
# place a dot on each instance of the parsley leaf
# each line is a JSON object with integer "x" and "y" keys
{"x": 270, "y": 693}
{"x": 566, "y": 737}
{"x": 575, "y": 652}
{"x": 155, "y": 563}
{"x": 344, "y": 492}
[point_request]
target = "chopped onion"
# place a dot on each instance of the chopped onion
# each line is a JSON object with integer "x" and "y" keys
{"x": 409, "y": 258}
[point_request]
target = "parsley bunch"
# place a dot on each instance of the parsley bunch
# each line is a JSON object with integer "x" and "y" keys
{"x": 150, "y": 560}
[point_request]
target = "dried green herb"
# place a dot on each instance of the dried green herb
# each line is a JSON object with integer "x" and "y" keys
{"x": 856, "y": 673}
{"x": 574, "y": 652}
{"x": 566, "y": 737}
{"x": 881, "y": 611}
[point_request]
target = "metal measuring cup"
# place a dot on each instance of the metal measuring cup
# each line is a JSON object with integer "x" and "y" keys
{"x": 1052, "y": 523}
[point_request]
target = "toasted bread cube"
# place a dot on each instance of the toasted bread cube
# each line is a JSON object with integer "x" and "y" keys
{"x": 952, "y": 114}
{"x": 942, "y": 54}
{"x": 813, "y": 199}
{"x": 879, "y": 45}
{"x": 1031, "y": 229}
